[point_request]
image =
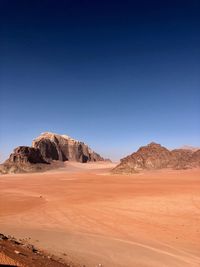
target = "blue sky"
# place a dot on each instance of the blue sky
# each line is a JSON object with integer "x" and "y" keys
{"x": 115, "y": 74}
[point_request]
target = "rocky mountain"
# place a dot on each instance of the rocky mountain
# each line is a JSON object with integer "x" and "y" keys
{"x": 155, "y": 156}
{"x": 45, "y": 150}
{"x": 62, "y": 147}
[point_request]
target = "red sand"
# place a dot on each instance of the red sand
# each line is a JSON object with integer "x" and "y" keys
{"x": 149, "y": 219}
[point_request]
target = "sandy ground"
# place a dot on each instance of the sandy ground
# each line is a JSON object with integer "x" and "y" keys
{"x": 82, "y": 213}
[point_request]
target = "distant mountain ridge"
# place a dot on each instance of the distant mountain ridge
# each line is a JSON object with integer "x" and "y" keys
{"x": 155, "y": 156}
{"x": 49, "y": 150}
{"x": 193, "y": 148}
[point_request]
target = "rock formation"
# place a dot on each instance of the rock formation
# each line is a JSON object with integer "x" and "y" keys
{"x": 25, "y": 154}
{"x": 19, "y": 252}
{"x": 46, "y": 149}
{"x": 62, "y": 147}
{"x": 155, "y": 156}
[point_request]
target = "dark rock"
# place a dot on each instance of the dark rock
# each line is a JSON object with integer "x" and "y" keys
{"x": 3, "y": 237}
{"x": 25, "y": 154}
{"x": 16, "y": 242}
{"x": 24, "y": 159}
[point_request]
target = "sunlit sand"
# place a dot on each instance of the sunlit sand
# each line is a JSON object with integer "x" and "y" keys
{"x": 147, "y": 219}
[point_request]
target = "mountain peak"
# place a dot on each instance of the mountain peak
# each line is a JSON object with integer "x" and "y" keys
{"x": 154, "y": 144}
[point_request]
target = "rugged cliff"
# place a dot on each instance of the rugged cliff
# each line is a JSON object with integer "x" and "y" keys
{"x": 26, "y": 154}
{"x": 62, "y": 147}
{"x": 45, "y": 150}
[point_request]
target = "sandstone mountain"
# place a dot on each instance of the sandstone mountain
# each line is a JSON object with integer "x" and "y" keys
{"x": 45, "y": 150}
{"x": 155, "y": 156}
{"x": 62, "y": 147}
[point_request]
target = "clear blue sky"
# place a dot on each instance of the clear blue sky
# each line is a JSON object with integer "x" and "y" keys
{"x": 115, "y": 74}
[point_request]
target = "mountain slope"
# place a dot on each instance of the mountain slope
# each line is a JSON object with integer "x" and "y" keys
{"x": 155, "y": 156}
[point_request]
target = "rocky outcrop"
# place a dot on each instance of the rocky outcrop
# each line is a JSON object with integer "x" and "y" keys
{"x": 26, "y": 154}
{"x": 24, "y": 159}
{"x": 155, "y": 156}
{"x": 45, "y": 150}
{"x": 62, "y": 147}
{"x": 20, "y": 252}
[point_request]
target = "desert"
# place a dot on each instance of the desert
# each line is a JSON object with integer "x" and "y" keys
{"x": 84, "y": 214}
{"x": 99, "y": 133}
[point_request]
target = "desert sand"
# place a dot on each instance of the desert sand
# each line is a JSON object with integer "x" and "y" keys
{"x": 84, "y": 214}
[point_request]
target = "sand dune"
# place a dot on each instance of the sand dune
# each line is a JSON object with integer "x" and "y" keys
{"x": 149, "y": 219}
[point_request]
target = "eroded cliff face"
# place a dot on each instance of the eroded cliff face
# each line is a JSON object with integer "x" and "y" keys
{"x": 46, "y": 149}
{"x": 25, "y": 154}
{"x": 155, "y": 156}
{"x": 24, "y": 159}
{"x": 62, "y": 147}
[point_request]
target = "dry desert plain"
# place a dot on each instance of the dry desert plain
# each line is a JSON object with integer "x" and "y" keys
{"x": 83, "y": 213}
